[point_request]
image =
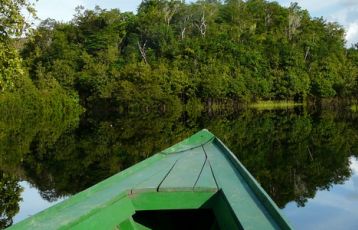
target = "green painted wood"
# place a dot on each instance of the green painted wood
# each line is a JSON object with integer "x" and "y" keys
{"x": 105, "y": 218}
{"x": 206, "y": 179}
{"x": 128, "y": 224}
{"x": 250, "y": 212}
{"x": 246, "y": 205}
{"x": 258, "y": 191}
{"x": 225, "y": 216}
{"x": 157, "y": 175}
{"x": 140, "y": 226}
{"x": 96, "y": 197}
{"x": 170, "y": 200}
{"x": 185, "y": 172}
{"x": 194, "y": 141}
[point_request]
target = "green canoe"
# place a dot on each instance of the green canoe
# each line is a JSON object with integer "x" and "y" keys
{"x": 195, "y": 184}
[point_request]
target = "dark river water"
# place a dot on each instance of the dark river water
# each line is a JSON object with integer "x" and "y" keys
{"x": 305, "y": 160}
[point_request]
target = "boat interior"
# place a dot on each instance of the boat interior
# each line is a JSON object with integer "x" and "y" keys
{"x": 181, "y": 210}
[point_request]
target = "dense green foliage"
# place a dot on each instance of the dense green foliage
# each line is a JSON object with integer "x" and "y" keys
{"x": 12, "y": 23}
{"x": 18, "y": 93}
{"x": 20, "y": 98}
{"x": 171, "y": 51}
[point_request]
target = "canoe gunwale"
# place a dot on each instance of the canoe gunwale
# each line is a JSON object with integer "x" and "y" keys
{"x": 168, "y": 151}
{"x": 197, "y": 200}
{"x": 260, "y": 193}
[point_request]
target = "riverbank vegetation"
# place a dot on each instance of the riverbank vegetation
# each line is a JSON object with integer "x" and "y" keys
{"x": 171, "y": 52}
{"x": 267, "y": 105}
{"x": 19, "y": 93}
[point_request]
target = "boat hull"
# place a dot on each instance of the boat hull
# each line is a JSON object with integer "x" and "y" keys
{"x": 199, "y": 175}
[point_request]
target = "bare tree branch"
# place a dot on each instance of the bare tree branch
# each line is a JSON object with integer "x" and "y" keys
{"x": 142, "y": 50}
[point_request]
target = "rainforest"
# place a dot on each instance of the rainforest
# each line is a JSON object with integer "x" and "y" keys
{"x": 173, "y": 53}
{"x": 81, "y": 100}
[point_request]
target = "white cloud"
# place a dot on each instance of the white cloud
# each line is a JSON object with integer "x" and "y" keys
{"x": 348, "y": 17}
{"x": 352, "y": 34}
{"x": 354, "y": 164}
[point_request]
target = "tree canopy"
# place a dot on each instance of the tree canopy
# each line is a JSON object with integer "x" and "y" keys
{"x": 174, "y": 51}
{"x": 12, "y": 24}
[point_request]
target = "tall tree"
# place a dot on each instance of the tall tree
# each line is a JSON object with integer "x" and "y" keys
{"x": 12, "y": 24}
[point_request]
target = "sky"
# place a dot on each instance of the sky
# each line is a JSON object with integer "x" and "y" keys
{"x": 345, "y": 12}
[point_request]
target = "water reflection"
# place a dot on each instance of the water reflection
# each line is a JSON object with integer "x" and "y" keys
{"x": 294, "y": 154}
{"x": 9, "y": 198}
{"x": 32, "y": 202}
{"x": 335, "y": 208}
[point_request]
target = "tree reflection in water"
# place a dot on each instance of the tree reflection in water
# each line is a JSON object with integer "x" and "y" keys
{"x": 292, "y": 153}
